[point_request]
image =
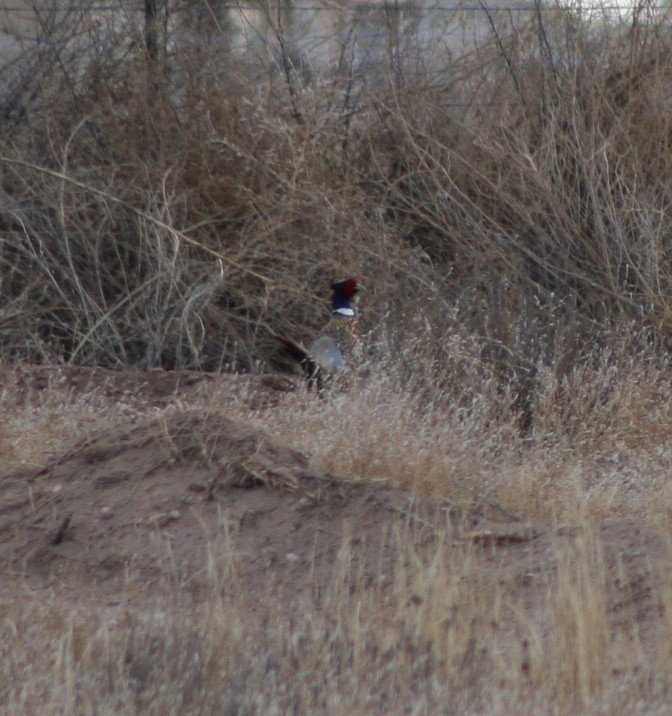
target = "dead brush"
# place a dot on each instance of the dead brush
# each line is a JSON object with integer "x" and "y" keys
{"x": 185, "y": 222}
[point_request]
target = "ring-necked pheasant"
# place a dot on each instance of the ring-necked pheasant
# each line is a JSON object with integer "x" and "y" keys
{"x": 338, "y": 346}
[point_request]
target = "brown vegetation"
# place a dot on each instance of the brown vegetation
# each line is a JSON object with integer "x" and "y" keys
{"x": 480, "y": 524}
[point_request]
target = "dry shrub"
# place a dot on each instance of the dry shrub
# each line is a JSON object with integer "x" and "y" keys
{"x": 175, "y": 212}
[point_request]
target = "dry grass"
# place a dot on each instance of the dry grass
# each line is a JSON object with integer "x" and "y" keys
{"x": 508, "y": 210}
{"x": 435, "y": 635}
{"x": 596, "y": 448}
{"x": 435, "y": 629}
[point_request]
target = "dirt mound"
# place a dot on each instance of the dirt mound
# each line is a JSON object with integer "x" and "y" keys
{"x": 144, "y": 502}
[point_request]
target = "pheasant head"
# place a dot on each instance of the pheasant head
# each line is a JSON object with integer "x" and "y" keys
{"x": 345, "y": 297}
